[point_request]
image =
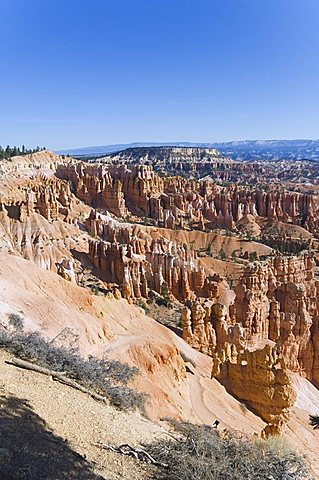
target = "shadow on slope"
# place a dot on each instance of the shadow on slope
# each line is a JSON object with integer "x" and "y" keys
{"x": 29, "y": 450}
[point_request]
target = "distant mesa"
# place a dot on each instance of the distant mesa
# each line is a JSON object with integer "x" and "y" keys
{"x": 239, "y": 150}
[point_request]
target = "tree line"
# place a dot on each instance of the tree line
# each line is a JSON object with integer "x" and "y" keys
{"x": 8, "y": 152}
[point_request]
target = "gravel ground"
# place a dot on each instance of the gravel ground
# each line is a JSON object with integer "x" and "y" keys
{"x": 43, "y": 420}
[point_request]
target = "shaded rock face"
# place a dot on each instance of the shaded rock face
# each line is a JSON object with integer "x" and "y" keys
{"x": 174, "y": 201}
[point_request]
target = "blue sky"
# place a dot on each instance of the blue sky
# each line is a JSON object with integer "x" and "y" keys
{"x": 77, "y": 73}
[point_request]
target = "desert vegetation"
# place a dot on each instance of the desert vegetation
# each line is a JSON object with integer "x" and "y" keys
{"x": 8, "y": 152}
{"x": 200, "y": 452}
{"x": 106, "y": 377}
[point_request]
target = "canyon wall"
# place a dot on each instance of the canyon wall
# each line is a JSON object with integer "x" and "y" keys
{"x": 276, "y": 303}
{"x": 39, "y": 221}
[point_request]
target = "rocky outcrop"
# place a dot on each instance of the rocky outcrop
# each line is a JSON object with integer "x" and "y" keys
{"x": 269, "y": 330}
{"x": 171, "y": 159}
{"x": 94, "y": 187}
{"x": 139, "y": 263}
{"x": 38, "y": 220}
{"x": 261, "y": 379}
{"x": 175, "y": 202}
{"x": 205, "y": 325}
{"x": 276, "y": 301}
{"x": 113, "y": 188}
{"x": 43, "y": 160}
{"x": 200, "y": 162}
{"x": 65, "y": 268}
{"x": 46, "y": 196}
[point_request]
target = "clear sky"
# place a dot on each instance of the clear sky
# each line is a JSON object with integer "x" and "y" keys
{"x": 79, "y": 73}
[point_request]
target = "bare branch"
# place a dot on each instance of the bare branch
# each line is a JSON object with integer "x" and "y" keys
{"x": 139, "y": 454}
{"x": 60, "y": 377}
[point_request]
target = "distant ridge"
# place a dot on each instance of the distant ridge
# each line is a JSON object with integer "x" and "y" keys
{"x": 243, "y": 150}
{"x": 104, "y": 149}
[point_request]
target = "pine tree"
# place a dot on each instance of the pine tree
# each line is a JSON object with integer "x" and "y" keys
{"x": 7, "y": 152}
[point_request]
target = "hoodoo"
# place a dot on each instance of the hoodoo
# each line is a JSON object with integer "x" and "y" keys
{"x": 227, "y": 270}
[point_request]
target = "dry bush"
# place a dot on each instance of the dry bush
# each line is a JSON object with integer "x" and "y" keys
{"x": 105, "y": 376}
{"x": 200, "y": 452}
{"x": 15, "y": 321}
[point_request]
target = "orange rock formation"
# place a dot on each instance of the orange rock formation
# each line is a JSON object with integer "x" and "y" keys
{"x": 172, "y": 201}
{"x": 266, "y": 329}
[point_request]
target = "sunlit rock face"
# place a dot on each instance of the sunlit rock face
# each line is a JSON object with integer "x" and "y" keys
{"x": 140, "y": 263}
{"x": 260, "y": 378}
{"x": 174, "y": 202}
{"x": 269, "y": 330}
{"x": 276, "y": 302}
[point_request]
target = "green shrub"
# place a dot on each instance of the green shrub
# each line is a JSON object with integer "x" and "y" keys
{"x": 222, "y": 254}
{"x": 143, "y": 305}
